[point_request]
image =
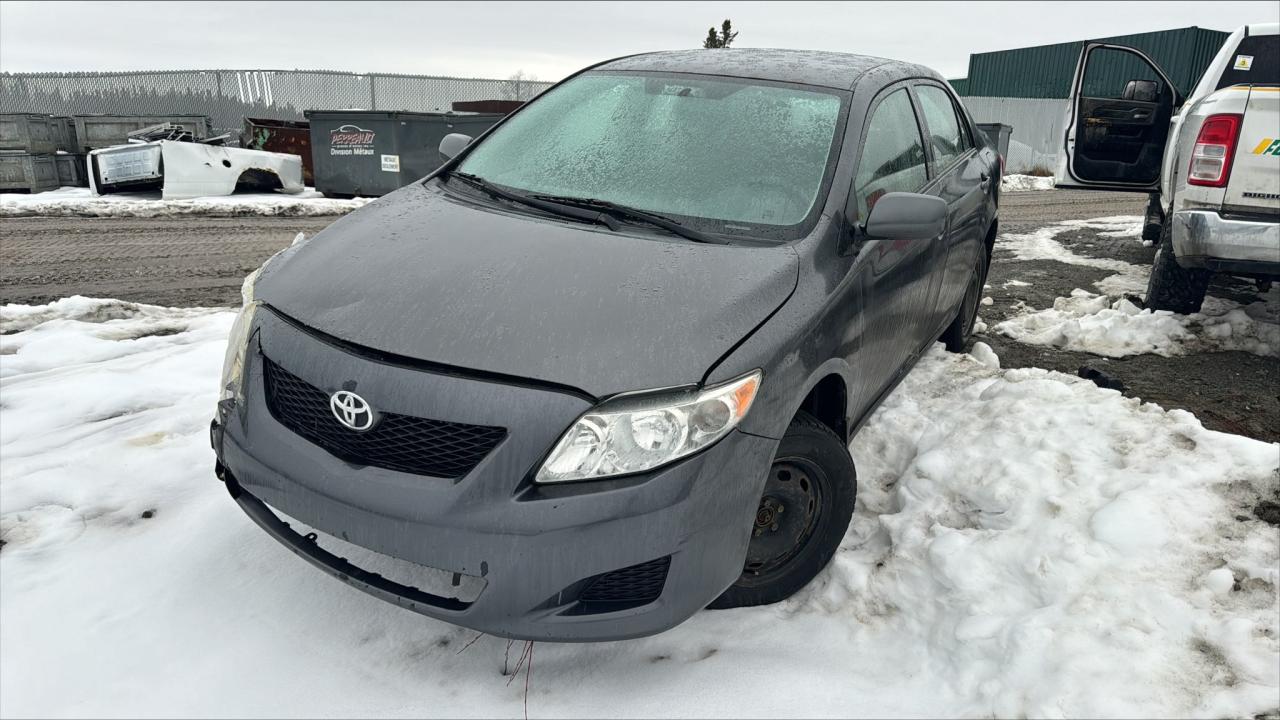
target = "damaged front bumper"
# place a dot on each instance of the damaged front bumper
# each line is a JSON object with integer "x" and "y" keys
{"x": 490, "y": 550}
{"x": 182, "y": 170}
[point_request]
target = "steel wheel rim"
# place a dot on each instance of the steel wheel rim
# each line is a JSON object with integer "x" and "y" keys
{"x": 786, "y": 519}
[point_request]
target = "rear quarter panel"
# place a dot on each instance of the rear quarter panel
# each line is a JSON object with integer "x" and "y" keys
{"x": 1255, "y": 172}
{"x": 1199, "y": 197}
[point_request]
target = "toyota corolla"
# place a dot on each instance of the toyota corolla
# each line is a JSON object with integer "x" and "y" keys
{"x": 600, "y": 370}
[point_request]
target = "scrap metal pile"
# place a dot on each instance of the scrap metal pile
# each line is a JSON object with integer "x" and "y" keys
{"x": 174, "y": 159}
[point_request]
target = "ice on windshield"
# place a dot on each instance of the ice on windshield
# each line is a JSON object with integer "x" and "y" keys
{"x": 676, "y": 145}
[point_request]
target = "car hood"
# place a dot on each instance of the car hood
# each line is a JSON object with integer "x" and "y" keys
{"x": 423, "y": 275}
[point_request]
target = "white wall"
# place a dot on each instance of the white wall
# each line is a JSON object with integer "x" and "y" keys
{"x": 1037, "y": 128}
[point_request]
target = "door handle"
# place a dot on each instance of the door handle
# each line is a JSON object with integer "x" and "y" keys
{"x": 985, "y": 179}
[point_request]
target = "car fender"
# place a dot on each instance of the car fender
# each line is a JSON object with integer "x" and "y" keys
{"x": 797, "y": 345}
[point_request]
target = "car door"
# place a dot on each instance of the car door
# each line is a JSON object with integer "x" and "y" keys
{"x": 895, "y": 279}
{"x": 1117, "y": 121}
{"x": 962, "y": 178}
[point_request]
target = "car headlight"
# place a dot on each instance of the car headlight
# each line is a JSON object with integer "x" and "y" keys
{"x": 232, "y": 387}
{"x": 638, "y": 433}
{"x": 238, "y": 343}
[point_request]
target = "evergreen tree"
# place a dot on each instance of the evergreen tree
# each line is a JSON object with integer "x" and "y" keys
{"x": 721, "y": 39}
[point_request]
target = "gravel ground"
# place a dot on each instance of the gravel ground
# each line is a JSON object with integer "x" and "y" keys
{"x": 191, "y": 261}
{"x": 178, "y": 261}
{"x": 1234, "y": 392}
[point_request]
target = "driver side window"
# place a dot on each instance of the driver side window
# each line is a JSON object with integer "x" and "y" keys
{"x": 893, "y": 157}
{"x": 949, "y": 140}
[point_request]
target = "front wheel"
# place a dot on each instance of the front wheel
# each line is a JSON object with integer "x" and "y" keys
{"x": 803, "y": 515}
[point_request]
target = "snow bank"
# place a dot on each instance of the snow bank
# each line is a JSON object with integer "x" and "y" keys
{"x": 1026, "y": 544}
{"x": 80, "y": 202}
{"x": 1023, "y": 183}
{"x": 16, "y": 318}
{"x": 1115, "y": 327}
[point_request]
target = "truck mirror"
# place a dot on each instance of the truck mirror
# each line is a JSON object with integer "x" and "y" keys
{"x": 1142, "y": 90}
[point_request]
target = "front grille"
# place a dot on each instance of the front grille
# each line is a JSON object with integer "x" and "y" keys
{"x": 635, "y": 585}
{"x": 397, "y": 442}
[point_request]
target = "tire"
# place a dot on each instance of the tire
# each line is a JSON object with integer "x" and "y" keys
{"x": 1173, "y": 287}
{"x": 956, "y": 336}
{"x": 813, "y": 478}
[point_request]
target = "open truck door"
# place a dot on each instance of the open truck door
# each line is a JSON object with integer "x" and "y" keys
{"x": 1117, "y": 121}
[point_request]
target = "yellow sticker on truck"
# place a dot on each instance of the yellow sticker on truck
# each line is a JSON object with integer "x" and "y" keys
{"x": 1268, "y": 146}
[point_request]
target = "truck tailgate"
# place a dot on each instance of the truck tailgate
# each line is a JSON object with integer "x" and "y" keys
{"x": 1255, "y": 172}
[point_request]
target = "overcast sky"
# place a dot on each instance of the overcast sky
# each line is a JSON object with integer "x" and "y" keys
{"x": 550, "y": 39}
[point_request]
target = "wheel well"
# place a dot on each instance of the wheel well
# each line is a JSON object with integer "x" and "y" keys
{"x": 826, "y": 402}
{"x": 258, "y": 180}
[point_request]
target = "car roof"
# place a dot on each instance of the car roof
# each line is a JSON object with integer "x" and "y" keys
{"x": 809, "y": 67}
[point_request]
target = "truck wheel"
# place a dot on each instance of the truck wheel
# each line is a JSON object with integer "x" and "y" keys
{"x": 957, "y": 333}
{"x": 1173, "y": 287}
{"x": 803, "y": 515}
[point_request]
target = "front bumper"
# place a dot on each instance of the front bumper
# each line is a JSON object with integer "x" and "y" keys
{"x": 1206, "y": 240}
{"x": 535, "y": 547}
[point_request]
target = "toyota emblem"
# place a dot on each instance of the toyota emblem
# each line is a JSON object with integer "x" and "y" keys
{"x": 351, "y": 410}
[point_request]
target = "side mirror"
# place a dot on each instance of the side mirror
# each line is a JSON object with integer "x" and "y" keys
{"x": 452, "y": 144}
{"x": 907, "y": 216}
{"x": 1142, "y": 90}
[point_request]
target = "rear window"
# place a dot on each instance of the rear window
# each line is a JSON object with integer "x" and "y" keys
{"x": 1256, "y": 61}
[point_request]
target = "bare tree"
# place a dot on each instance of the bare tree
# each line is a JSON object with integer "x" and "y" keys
{"x": 722, "y": 39}
{"x": 520, "y": 86}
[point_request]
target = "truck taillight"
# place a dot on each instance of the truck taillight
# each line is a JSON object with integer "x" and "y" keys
{"x": 1214, "y": 150}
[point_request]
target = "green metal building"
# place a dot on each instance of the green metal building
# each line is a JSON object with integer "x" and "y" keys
{"x": 1045, "y": 71}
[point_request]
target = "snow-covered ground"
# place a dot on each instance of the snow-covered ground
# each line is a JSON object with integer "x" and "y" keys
{"x": 1116, "y": 327}
{"x": 80, "y": 202}
{"x": 1025, "y": 544}
{"x": 1022, "y": 183}
{"x": 1042, "y": 244}
{"x": 1110, "y": 324}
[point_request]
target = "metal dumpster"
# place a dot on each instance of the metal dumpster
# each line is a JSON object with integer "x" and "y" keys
{"x": 999, "y": 134}
{"x": 24, "y": 172}
{"x": 372, "y": 152}
{"x": 27, "y": 132}
{"x": 72, "y": 170}
{"x": 283, "y": 136}
{"x": 503, "y": 107}
{"x": 101, "y": 131}
{"x": 64, "y": 133}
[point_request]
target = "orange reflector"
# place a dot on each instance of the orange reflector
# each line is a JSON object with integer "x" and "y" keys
{"x": 744, "y": 394}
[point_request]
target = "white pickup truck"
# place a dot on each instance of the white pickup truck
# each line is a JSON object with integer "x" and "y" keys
{"x": 1211, "y": 161}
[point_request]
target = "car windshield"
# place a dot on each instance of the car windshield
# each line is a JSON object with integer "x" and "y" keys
{"x": 722, "y": 155}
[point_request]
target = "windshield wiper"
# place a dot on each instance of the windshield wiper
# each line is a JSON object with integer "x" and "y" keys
{"x": 556, "y": 208}
{"x": 630, "y": 213}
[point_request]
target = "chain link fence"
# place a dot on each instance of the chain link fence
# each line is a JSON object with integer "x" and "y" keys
{"x": 228, "y": 96}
